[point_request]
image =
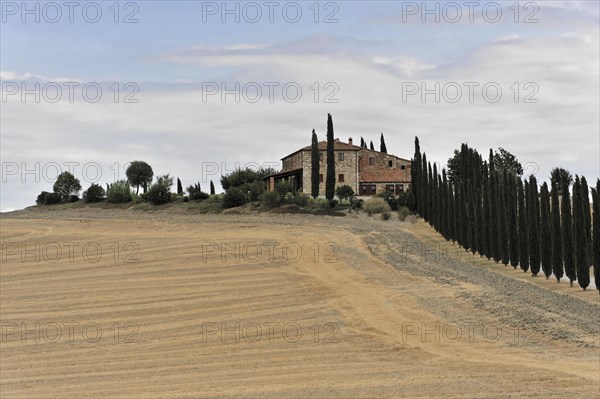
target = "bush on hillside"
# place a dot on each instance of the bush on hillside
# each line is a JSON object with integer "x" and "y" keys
{"x": 94, "y": 194}
{"x": 376, "y": 205}
{"x": 234, "y": 197}
{"x": 119, "y": 192}
{"x": 46, "y": 198}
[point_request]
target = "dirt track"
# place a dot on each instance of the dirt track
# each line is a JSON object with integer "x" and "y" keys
{"x": 366, "y": 309}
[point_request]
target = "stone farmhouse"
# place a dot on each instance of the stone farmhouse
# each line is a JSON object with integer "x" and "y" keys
{"x": 368, "y": 172}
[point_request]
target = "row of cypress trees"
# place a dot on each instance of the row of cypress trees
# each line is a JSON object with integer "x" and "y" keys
{"x": 489, "y": 210}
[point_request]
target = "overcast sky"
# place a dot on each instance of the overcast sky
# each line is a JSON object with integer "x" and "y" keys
{"x": 153, "y": 73}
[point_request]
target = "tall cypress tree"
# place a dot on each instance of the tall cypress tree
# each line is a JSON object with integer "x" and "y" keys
{"x": 581, "y": 264}
{"x": 534, "y": 226}
{"x": 513, "y": 211}
{"x": 587, "y": 219}
{"x": 503, "y": 217}
{"x": 557, "y": 244}
{"x": 487, "y": 228}
{"x": 425, "y": 187}
{"x": 315, "y": 164}
{"x": 179, "y": 187}
{"x": 523, "y": 236}
{"x": 451, "y": 214}
{"x": 430, "y": 193}
{"x": 330, "y": 181}
{"x": 596, "y": 237}
{"x": 435, "y": 206}
{"x": 567, "y": 233}
{"x": 493, "y": 199}
{"x": 545, "y": 231}
{"x": 372, "y": 147}
{"x": 382, "y": 146}
{"x": 415, "y": 172}
{"x": 444, "y": 204}
{"x": 362, "y": 143}
{"x": 212, "y": 188}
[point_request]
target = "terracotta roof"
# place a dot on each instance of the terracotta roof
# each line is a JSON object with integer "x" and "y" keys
{"x": 383, "y": 176}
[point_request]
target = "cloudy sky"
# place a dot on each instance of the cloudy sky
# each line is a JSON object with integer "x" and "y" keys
{"x": 196, "y": 88}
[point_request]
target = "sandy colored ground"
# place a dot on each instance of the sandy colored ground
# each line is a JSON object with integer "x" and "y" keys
{"x": 177, "y": 319}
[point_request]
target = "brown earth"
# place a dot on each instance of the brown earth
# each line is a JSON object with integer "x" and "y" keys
{"x": 292, "y": 306}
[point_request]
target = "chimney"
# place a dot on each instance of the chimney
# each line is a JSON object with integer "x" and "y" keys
{"x": 350, "y": 141}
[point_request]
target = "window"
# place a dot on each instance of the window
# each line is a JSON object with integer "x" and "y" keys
{"x": 321, "y": 156}
{"x": 390, "y": 164}
{"x": 340, "y": 156}
{"x": 321, "y": 178}
{"x": 403, "y": 167}
{"x": 389, "y": 187}
{"x": 399, "y": 188}
{"x": 373, "y": 189}
{"x": 341, "y": 178}
{"x": 371, "y": 161}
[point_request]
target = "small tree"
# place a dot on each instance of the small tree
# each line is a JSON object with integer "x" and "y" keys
{"x": 371, "y": 146}
{"x": 234, "y": 197}
{"x": 179, "y": 187}
{"x": 119, "y": 192}
{"x": 66, "y": 185}
{"x": 139, "y": 173}
{"x": 46, "y": 198}
{"x": 315, "y": 162}
{"x": 330, "y": 181}
{"x": 382, "y": 146}
{"x": 504, "y": 160}
{"x": 212, "y": 188}
{"x": 344, "y": 192}
{"x": 94, "y": 194}
{"x": 560, "y": 175}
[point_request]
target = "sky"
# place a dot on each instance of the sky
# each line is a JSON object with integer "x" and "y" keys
{"x": 199, "y": 88}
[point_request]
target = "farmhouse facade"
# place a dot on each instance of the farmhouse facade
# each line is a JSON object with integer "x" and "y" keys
{"x": 368, "y": 172}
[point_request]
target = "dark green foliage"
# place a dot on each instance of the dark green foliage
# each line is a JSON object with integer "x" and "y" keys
{"x": 46, "y": 198}
{"x": 410, "y": 201}
{"x": 186, "y": 199}
{"x": 283, "y": 188}
{"x": 234, "y": 197}
{"x": 513, "y": 221}
{"x": 73, "y": 198}
{"x": 158, "y": 194}
{"x": 557, "y": 246}
{"x": 533, "y": 208}
{"x": 179, "y": 187}
{"x": 271, "y": 199}
{"x": 372, "y": 147}
{"x": 504, "y": 219}
{"x": 587, "y": 219}
{"x": 495, "y": 250}
{"x": 249, "y": 182}
{"x": 212, "y": 188}
{"x": 66, "y": 185}
{"x": 344, "y": 192}
{"x": 567, "y": 232}
{"x": 545, "y": 231}
{"x": 119, "y": 192}
{"x": 330, "y": 180}
{"x": 415, "y": 172}
{"x": 196, "y": 194}
{"x": 486, "y": 214}
{"x": 382, "y": 146}
{"x": 523, "y": 231}
{"x": 315, "y": 165}
{"x": 596, "y": 236}
{"x": 362, "y": 143}
{"x": 560, "y": 175}
{"x": 94, "y": 194}
{"x": 504, "y": 160}
{"x": 579, "y": 241}
{"x": 139, "y": 173}
{"x": 424, "y": 190}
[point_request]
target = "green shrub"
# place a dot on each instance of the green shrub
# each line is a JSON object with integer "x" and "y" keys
{"x": 403, "y": 213}
{"x": 186, "y": 199}
{"x": 300, "y": 200}
{"x": 73, "y": 198}
{"x": 46, "y": 198}
{"x": 271, "y": 199}
{"x": 158, "y": 194}
{"x": 196, "y": 193}
{"x": 358, "y": 203}
{"x": 386, "y": 215}
{"x": 344, "y": 192}
{"x": 119, "y": 192}
{"x": 283, "y": 188}
{"x": 376, "y": 205}
{"x": 234, "y": 197}
{"x": 94, "y": 194}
